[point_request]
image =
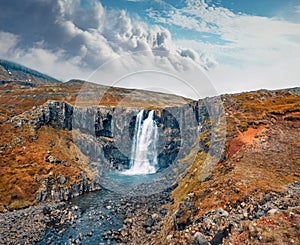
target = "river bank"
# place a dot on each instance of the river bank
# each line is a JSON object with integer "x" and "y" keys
{"x": 101, "y": 217}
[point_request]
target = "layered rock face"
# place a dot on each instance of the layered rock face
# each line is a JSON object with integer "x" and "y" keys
{"x": 105, "y": 134}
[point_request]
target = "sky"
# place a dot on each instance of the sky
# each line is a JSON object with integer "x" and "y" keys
{"x": 194, "y": 48}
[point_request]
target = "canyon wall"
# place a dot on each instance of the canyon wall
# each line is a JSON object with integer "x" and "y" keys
{"x": 104, "y": 134}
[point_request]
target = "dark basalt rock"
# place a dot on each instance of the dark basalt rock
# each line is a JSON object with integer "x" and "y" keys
{"x": 104, "y": 135}
{"x": 107, "y": 132}
{"x": 199, "y": 239}
{"x": 56, "y": 188}
{"x": 218, "y": 238}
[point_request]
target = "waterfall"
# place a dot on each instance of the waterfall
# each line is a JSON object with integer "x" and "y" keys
{"x": 144, "y": 146}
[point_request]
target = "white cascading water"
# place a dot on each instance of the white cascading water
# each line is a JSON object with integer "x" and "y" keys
{"x": 144, "y": 147}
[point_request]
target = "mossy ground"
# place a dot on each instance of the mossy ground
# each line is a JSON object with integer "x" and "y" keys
{"x": 262, "y": 156}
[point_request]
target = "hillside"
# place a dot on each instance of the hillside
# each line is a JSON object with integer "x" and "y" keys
{"x": 252, "y": 195}
{"x": 10, "y": 71}
{"x": 249, "y": 196}
{"x": 24, "y": 150}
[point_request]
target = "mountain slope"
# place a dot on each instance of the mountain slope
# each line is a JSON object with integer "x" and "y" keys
{"x": 250, "y": 196}
{"x": 10, "y": 71}
{"x": 25, "y": 150}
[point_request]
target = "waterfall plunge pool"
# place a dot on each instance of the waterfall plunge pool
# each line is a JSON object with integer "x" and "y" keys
{"x": 124, "y": 193}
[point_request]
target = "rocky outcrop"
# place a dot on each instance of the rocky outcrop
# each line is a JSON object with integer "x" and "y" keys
{"x": 58, "y": 187}
{"x": 216, "y": 225}
{"x": 105, "y": 134}
{"x": 28, "y": 226}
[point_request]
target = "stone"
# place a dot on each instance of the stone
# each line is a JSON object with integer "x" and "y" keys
{"x": 218, "y": 238}
{"x": 273, "y": 211}
{"x": 148, "y": 230}
{"x": 267, "y": 197}
{"x": 105, "y": 236}
{"x": 75, "y": 208}
{"x": 221, "y": 212}
{"x": 169, "y": 237}
{"x": 155, "y": 216}
{"x": 124, "y": 232}
{"x": 199, "y": 239}
{"x": 51, "y": 159}
{"x": 61, "y": 179}
{"x": 149, "y": 222}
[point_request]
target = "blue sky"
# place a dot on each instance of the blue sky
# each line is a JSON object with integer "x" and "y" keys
{"x": 239, "y": 45}
{"x": 286, "y": 10}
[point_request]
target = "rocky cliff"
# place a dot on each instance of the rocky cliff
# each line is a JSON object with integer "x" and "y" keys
{"x": 251, "y": 196}
{"x": 102, "y": 138}
{"x": 104, "y": 134}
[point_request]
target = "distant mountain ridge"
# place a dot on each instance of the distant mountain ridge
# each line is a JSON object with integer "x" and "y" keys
{"x": 11, "y": 71}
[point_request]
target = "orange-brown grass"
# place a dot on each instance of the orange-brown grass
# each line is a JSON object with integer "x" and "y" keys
{"x": 255, "y": 106}
{"x": 23, "y": 164}
{"x": 279, "y": 228}
{"x": 15, "y": 99}
{"x": 252, "y": 168}
{"x": 263, "y": 158}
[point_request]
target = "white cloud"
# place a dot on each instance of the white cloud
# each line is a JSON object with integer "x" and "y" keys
{"x": 228, "y": 78}
{"x": 84, "y": 38}
{"x": 252, "y": 51}
{"x": 73, "y": 41}
{"x": 239, "y": 32}
{"x": 259, "y": 69}
{"x": 47, "y": 61}
{"x": 7, "y": 42}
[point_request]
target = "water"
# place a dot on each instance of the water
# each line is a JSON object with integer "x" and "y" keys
{"x": 127, "y": 184}
{"x": 144, "y": 147}
{"x": 144, "y": 177}
{"x": 101, "y": 212}
{"x": 93, "y": 218}
{"x": 134, "y": 189}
